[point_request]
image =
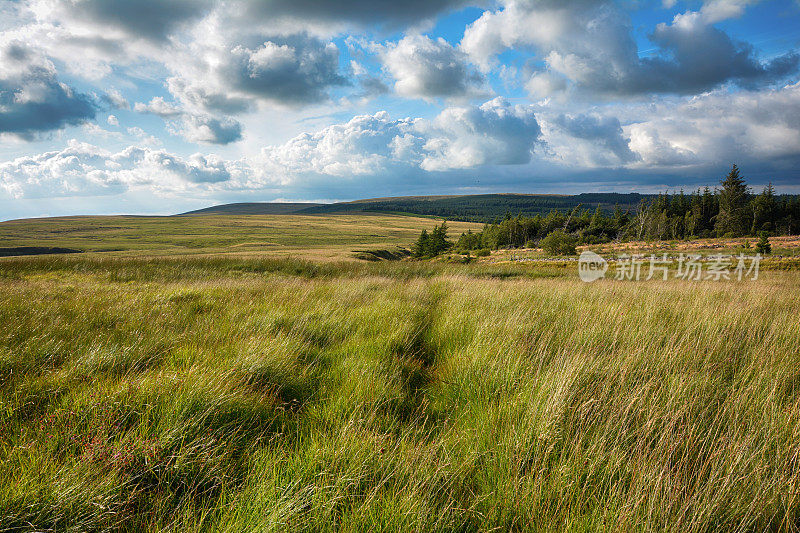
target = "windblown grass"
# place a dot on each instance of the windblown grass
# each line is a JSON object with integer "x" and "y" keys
{"x": 261, "y": 395}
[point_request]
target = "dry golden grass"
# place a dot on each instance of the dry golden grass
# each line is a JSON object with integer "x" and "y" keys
{"x": 323, "y": 237}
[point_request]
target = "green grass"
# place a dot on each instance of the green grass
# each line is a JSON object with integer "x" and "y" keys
{"x": 266, "y": 394}
{"x": 312, "y": 237}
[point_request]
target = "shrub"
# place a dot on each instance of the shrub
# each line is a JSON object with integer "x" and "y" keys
{"x": 559, "y": 243}
{"x": 483, "y": 252}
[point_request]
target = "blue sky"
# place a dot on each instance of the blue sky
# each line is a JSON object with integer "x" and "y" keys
{"x": 160, "y": 106}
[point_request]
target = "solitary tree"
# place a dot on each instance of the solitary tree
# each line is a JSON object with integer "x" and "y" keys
{"x": 733, "y": 198}
{"x": 763, "y": 246}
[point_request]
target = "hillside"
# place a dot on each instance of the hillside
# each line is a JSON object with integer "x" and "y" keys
{"x": 468, "y": 208}
{"x": 253, "y": 208}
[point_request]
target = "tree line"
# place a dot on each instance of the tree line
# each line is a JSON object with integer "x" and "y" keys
{"x": 732, "y": 210}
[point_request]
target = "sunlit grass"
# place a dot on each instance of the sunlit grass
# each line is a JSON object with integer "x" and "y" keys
{"x": 312, "y": 237}
{"x": 259, "y": 395}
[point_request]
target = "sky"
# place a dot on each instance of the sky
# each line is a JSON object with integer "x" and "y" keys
{"x": 162, "y": 106}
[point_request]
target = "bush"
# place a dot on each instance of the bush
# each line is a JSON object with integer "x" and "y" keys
{"x": 559, "y": 243}
{"x": 483, "y": 252}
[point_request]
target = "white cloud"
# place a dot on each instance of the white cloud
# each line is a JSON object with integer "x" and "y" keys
{"x": 496, "y": 138}
{"x": 210, "y": 130}
{"x": 590, "y": 44}
{"x": 194, "y": 127}
{"x": 588, "y": 140}
{"x": 32, "y": 99}
{"x": 83, "y": 169}
{"x": 427, "y": 68}
{"x": 158, "y": 106}
{"x": 720, "y": 127}
{"x": 494, "y": 133}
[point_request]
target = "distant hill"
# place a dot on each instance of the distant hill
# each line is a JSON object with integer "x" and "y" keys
{"x": 484, "y": 207}
{"x": 468, "y": 208}
{"x": 254, "y": 208}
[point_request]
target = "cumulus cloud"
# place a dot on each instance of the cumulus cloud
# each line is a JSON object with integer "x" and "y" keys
{"x": 389, "y": 12}
{"x": 714, "y": 11}
{"x": 83, "y": 169}
{"x": 149, "y": 19}
{"x": 293, "y": 69}
{"x": 755, "y": 128}
{"x": 720, "y": 127}
{"x": 196, "y": 96}
{"x": 589, "y": 43}
{"x": 200, "y": 128}
{"x": 158, "y": 106}
{"x": 230, "y": 77}
{"x": 604, "y": 132}
{"x": 32, "y": 99}
{"x": 495, "y": 133}
{"x": 217, "y": 59}
{"x": 366, "y": 144}
{"x": 210, "y": 130}
{"x": 426, "y": 68}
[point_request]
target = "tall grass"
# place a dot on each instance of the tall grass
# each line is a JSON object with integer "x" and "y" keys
{"x": 257, "y": 396}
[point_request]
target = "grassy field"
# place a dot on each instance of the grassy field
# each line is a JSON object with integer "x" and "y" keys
{"x": 313, "y": 237}
{"x": 253, "y": 393}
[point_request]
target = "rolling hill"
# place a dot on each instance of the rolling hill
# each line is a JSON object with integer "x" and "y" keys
{"x": 468, "y": 208}
{"x": 253, "y": 208}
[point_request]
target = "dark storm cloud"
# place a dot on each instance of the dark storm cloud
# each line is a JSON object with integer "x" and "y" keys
{"x": 32, "y": 100}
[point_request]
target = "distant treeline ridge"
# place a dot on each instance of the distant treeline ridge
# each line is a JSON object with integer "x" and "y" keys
{"x": 730, "y": 211}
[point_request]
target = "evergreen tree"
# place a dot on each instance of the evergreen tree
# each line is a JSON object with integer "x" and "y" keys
{"x": 763, "y": 246}
{"x": 433, "y": 243}
{"x": 421, "y": 247}
{"x": 764, "y": 206}
{"x": 438, "y": 240}
{"x": 733, "y": 198}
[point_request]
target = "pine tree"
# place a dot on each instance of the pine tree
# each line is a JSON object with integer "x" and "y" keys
{"x": 733, "y": 199}
{"x": 763, "y": 246}
{"x": 438, "y": 240}
{"x": 420, "y": 248}
{"x": 433, "y": 243}
{"x": 764, "y": 206}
